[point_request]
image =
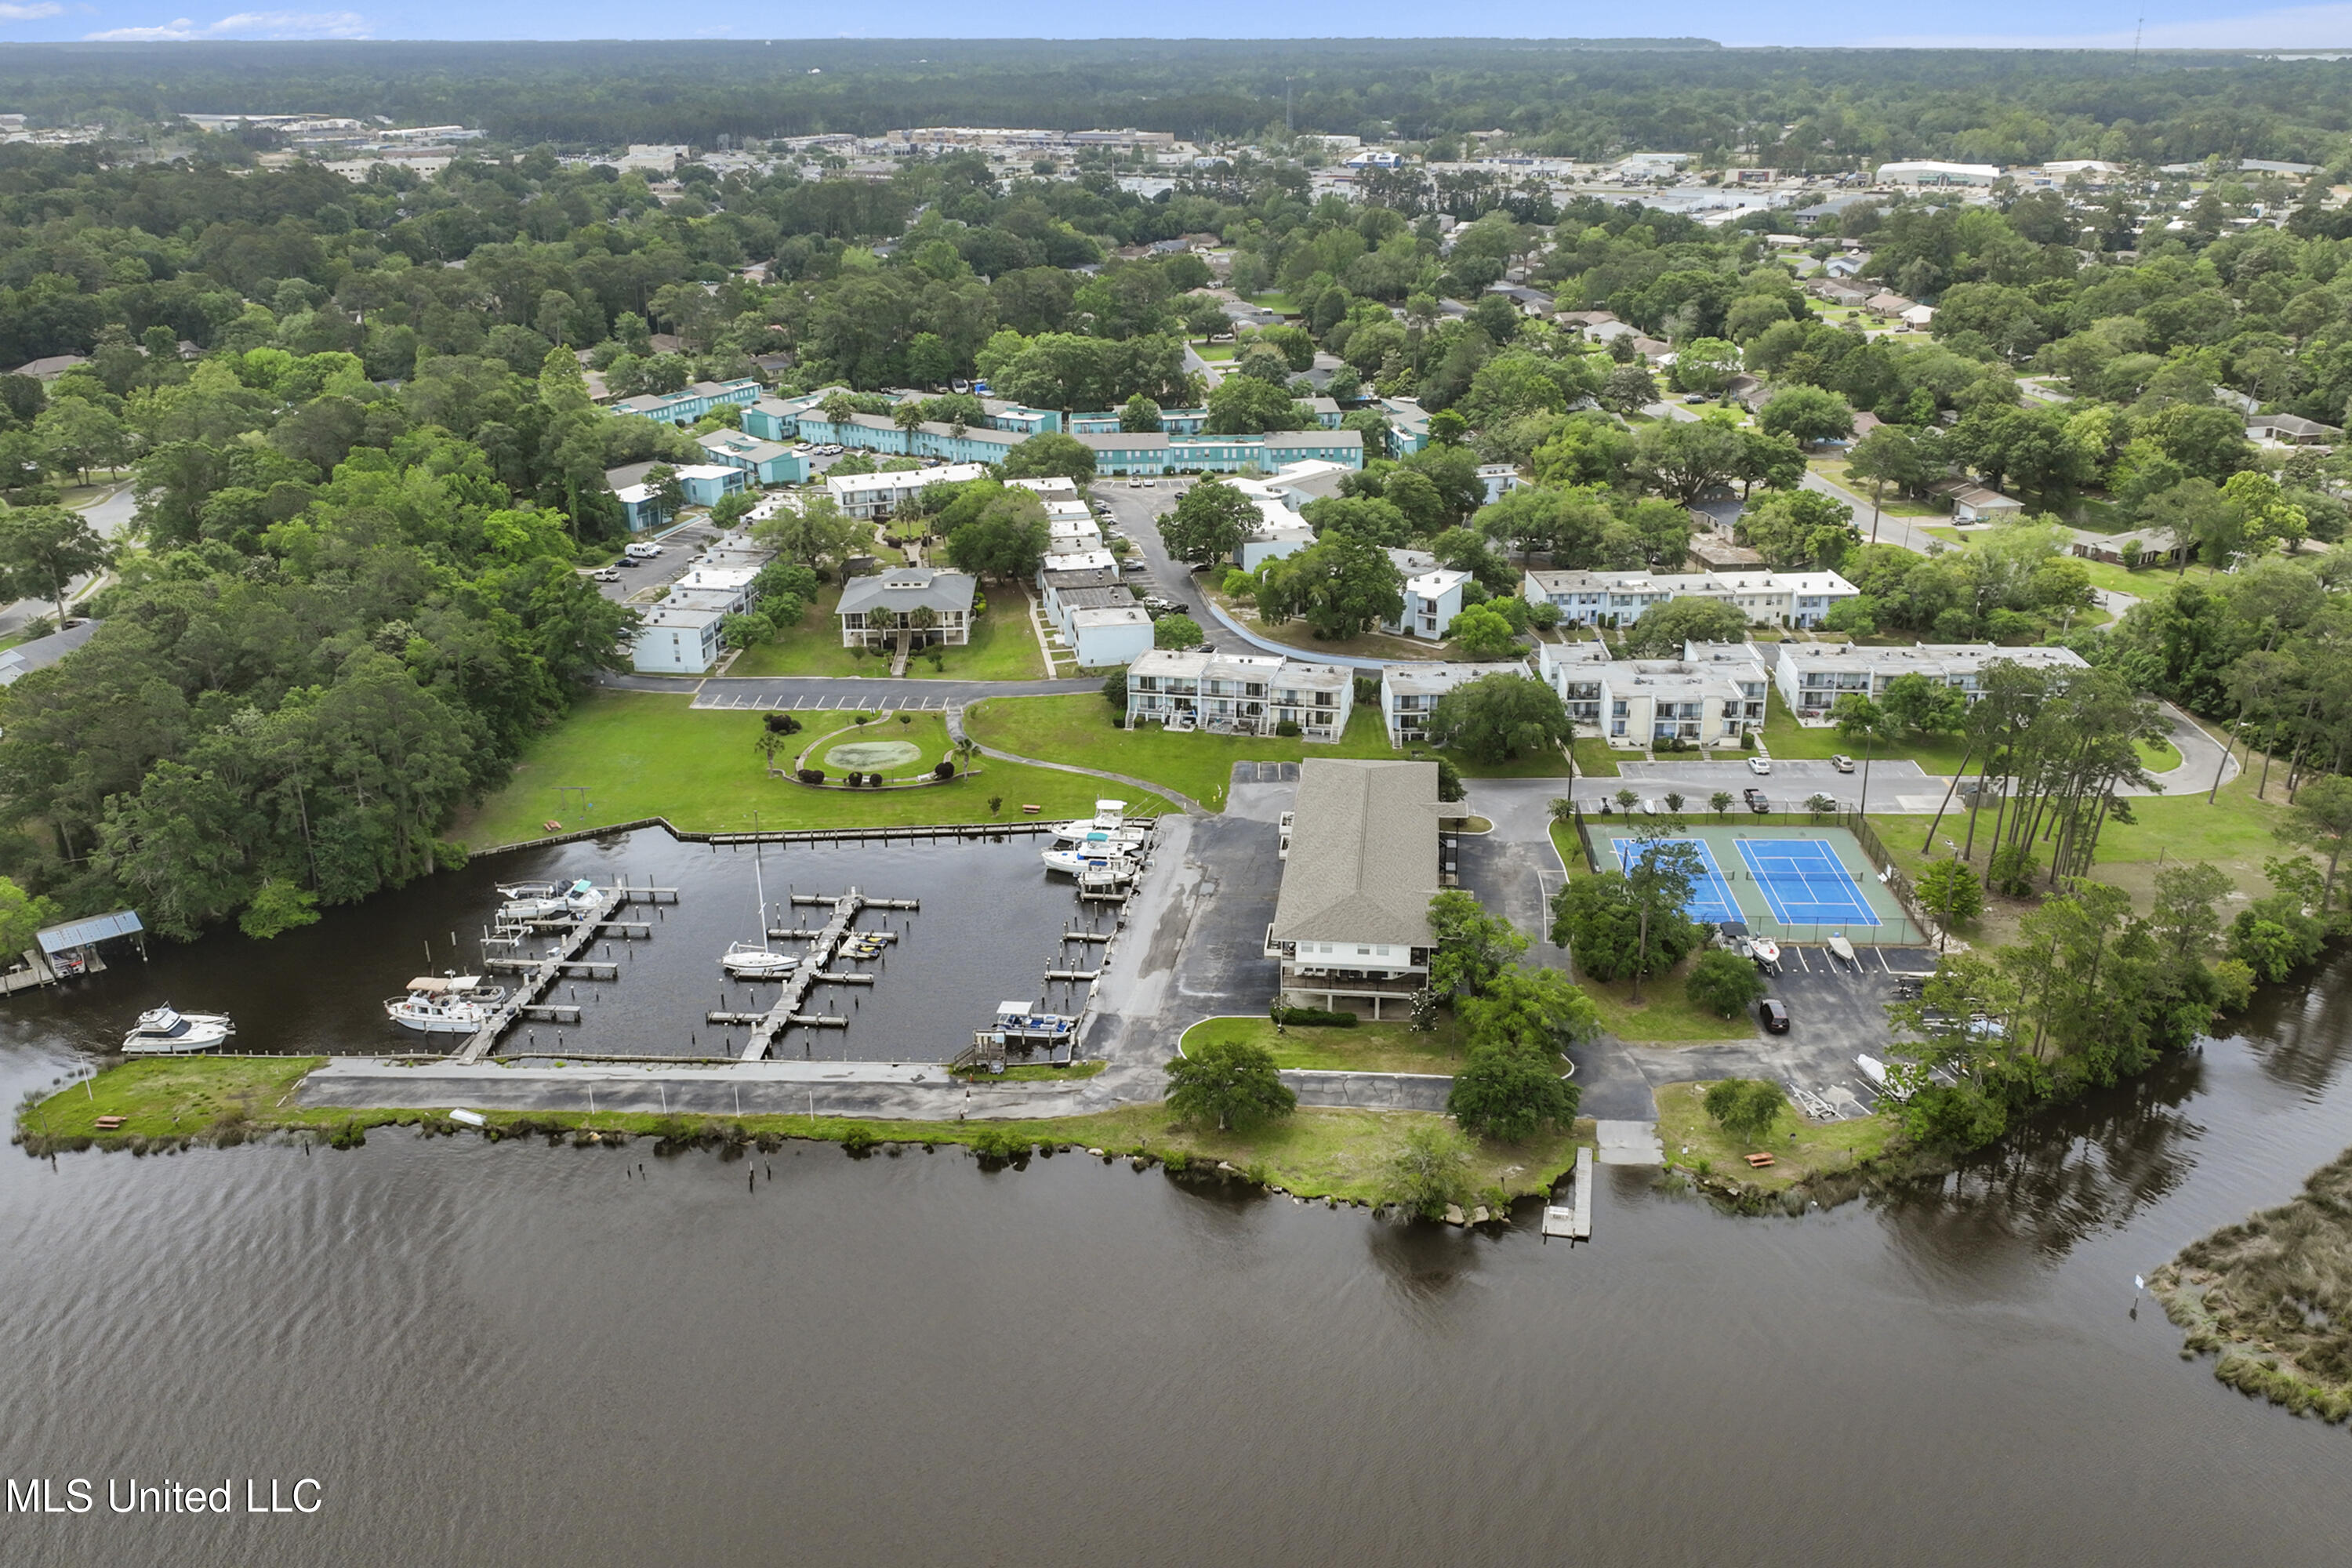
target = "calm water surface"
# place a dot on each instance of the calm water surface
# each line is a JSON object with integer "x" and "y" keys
{"x": 520, "y": 1354}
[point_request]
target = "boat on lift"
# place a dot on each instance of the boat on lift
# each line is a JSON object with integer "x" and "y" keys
{"x": 1078, "y": 861}
{"x": 445, "y": 1004}
{"x": 1108, "y": 826}
{"x": 166, "y": 1031}
{"x": 757, "y": 959}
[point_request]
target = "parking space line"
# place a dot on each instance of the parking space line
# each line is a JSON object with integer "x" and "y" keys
{"x": 1801, "y": 959}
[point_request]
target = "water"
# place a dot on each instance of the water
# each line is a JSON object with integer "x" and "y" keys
{"x": 520, "y": 1354}
{"x": 988, "y": 930}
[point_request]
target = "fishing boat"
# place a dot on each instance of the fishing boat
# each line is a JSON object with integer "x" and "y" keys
{"x": 546, "y": 902}
{"x": 1108, "y": 825}
{"x": 757, "y": 959}
{"x": 445, "y": 1004}
{"x": 1078, "y": 861}
{"x": 167, "y": 1032}
{"x": 1766, "y": 953}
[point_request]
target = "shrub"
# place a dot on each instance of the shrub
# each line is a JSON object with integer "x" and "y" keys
{"x": 1314, "y": 1018}
{"x": 1723, "y": 983}
{"x": 1288, "y": 730}
{"x": 859, "y": 1141}
{"x": 811, "y": 775}
{"x": 946, "y": 769}
{"x": 781, "y": 724}
{"x": 1428, "y": 1170}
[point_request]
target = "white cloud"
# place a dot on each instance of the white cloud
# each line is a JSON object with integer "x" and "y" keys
{"x": 247, "y": 25}
{"x": 27, "y": 13}
{"x": 2288, "y": 27}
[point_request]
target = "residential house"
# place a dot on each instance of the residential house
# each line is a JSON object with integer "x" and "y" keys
{"x": 2290, "y": 430}
{"x": 1361, "y": 858}
{"x": 924, "y": 604}
{"x": 1973, "y": 502}
{"x": 1813, "y": 675}
{"x": 1887, "y": 304}
{"x": 1409, "y": 691}
{"x": 2155, "y": 547}
{"x": 1244, "y": 694}
{"x": 1500, "y": 479}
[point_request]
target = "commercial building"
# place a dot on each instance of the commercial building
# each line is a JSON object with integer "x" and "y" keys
{"x": 1929, "y": 172}
{"x": 1409, "y": 691}
{"x": 1361, "y": 859}
{"x": 1238, "y": 694}
{"x": 1618, "y": 598}
{"x": 1813, "y": 675}
{"x": 925, "y": 605}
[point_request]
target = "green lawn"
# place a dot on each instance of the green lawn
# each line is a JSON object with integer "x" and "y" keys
{"x": 812, "y": 647}
{"x": 1213, "y": 353}
{"x": 645, "y": 754}
{"x": 1784, "y": 737}
{"x": 1594, "y": 757}
{"x": 1367, "y": 1047}
{"x": 1077, "y": 730}
{"x": 1895, "y": 505}
{"x": 1663, "y": 1015}
{"x": 1001, "y": 647}
{"x": 1694, "y": 1142}
{"x": 2149, "y": 583}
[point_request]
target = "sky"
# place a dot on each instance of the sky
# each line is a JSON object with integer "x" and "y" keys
{"x": 2103, "y": 24}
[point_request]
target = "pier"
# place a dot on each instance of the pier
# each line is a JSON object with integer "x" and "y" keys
{"x": 575, "y": 938}
{"x": 823, "y": 945}
{"x": 1573, "y": 1220}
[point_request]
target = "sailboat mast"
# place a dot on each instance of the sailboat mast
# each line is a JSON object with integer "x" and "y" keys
{"x": 761, "y": 885}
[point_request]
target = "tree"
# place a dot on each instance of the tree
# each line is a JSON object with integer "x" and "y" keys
{"x": 1499, "y": 717}
{"x": 1140, "y": 415}
{"x": 1724, "y": 982}
{"x": 2322, "y": 817}
{"x": 1005, "y": 539}
{"x": 1799, "y": 529}
{"x": 1484, "y": 634}
{"x": 1864, "y": 723}
{"x": 1429, "y": 1172}
{"x": 1720, "y": 803}
{"x": 1246, "y": 404}
{"x": 1628, "y": 387}
{"x": 1468, "y": 947}
{"x": 1924, "y": 705}
{"x": 43, "y": 548}
{"x": 1177, "y": 631}
{"x": 278, "y": 905}
{"x": 1810, "y": 413}
{"x": 1887, "y": 456}
{"x": 1602, "y": 920}
{"x": 1666, "y": 626}
{"x": 1341, "y": 586}
{"x": 815, "y": 532}
{"x": 1231, "y": 1082}
{"x": 1509, "y": 1092}
{"x": 1658, "y": 880}
{"x": 1950, "y": 888}
{"x": 1685, "y": 459}
{"x": 1051, "y": 455}
{"x": 21, "y": 916}
{"x": 1209, "y": 522}
{"x": 1746, "y": 1108}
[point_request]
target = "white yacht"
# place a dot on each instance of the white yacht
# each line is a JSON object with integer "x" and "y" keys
{"x": 757, "y": 959}
{"x": 546, "y": 902}
{"x": 166, "y": 1032}
{"x": 1108, "y": 826}
{"x": 1089, "y": 857}
{"x": 445, "y": 1004}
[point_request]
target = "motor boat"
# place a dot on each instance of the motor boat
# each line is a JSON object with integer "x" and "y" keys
{"x": 546, "y": 902}
{"x": 757, "y": 961}
{"x": 1876, "y": 1071}
{"x": 167, "y": 1032}
{"x": 1078, "y": 861}
{"x": 1108, "y": 825}
{"x": 1766, "y": 953}
{"x": 445, "y": 1004}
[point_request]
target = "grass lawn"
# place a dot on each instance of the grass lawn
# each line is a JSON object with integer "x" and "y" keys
{"x": 1276, "y": 300}
{"x": 1036, "y": 1072}
{"x": 810, "y": 647}
{"x": 1895, "y": 505}
{"x": 1664, "y": 1017}
{"x": 1213, "y": 353}
{"x": 1694, "y": 1142}
{"x": 1594, "y": 757}
{"x": 1314, "y": 1153}
{"x": 1077, "y": 730}
{"x": 2150, "y": 582}
{"x": 1784, "y": 737}
{"x": 1367, "y": 1047}
{"x": 2160, "y": 756}
{"x": 1371, "y": 644}
{"x": 1003, "y": 647}
{"x": 645, "y": 754}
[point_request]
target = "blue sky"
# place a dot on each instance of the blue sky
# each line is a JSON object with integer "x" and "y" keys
{"x": 1994, "y": 23}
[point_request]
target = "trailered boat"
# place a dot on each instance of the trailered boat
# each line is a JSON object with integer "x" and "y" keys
{"x": 167, "y": 1032}
{"x": 445, "y": 1004}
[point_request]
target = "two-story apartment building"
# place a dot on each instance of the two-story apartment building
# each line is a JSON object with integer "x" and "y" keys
{"x": 926, "y": 603}
{"x": 1619, "y": 598}
{"x": 1244, "y": 694}
{"x": 1574, "y": 671}
{"x": 1361, "y": 859}
{"x": 687, "y": 406}
{"x": 1813, "y": 675}
{"x": 767, "y": 462}
{"x": 1409, "y": 691}
{"x": 1432, "y": 597}
{"x": 878, "y": 495}
{"x": 1646, "y": 700}
{"x": 1159, "y": 453}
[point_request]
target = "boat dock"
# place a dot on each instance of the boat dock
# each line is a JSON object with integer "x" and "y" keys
{"x": 1574, "y": 1219}
{"x": 813, "y": 971}
{"x": 540, "y": 974}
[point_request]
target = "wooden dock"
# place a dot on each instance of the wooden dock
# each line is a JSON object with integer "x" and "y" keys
{"x": 537, "y": 975}
{"x": 1573, "y": 1220}
{"x": 811, "y": 970}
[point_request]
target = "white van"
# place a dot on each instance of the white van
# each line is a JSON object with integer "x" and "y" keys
{"x": 642, "y": 551}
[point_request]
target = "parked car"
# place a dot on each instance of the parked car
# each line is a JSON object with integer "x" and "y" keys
{"x": 1842, "y": 762}
{"x": 605, "y": 574}
{"x": 1774, "y": 1014}
{"x": 642, "y": 551}
{"x": 1135, "y": 564}
{"x": 628, "y": 561}
{"x": 1760, "y": 766}
{"x": 1757, "y": 802}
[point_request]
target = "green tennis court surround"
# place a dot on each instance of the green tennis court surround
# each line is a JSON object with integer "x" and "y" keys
{"x": 1793, "y": 884}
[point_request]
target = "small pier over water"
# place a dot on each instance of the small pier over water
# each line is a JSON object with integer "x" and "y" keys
{"x": 815, "y": 969}
{"x": 573, "y": 937}
{"x": 1573, "y": 1219}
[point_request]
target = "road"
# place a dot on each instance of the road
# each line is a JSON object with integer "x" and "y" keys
{"x": 109, "y": 514}
{"x": 876, "y": 694}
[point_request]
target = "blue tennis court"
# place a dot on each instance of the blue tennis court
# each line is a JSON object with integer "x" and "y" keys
{"x": 1805, "y": 883}
{"x": 1710, "y": 896}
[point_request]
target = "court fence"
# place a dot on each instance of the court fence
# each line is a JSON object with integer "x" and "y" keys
{"x": 1897, "y": 884}
{"x": 1584, "y": 837}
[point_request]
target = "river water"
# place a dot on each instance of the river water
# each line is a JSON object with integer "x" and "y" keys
{"x": 520, "y": 1354}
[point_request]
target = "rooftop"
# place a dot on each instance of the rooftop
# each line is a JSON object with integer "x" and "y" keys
{"x": 1363, "y": 854}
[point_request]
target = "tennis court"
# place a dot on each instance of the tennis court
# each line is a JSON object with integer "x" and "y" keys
{"x": 1804, "y": 883}
{"x": 1710, "y": 896}
{"x": 1790, "y": 883}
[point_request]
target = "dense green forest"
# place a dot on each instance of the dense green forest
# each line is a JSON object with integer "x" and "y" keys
{"x": 1592, "y": 98}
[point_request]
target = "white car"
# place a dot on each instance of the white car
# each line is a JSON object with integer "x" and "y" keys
{"x": 606, "y": 574}
{"x": 1760, "y": 766}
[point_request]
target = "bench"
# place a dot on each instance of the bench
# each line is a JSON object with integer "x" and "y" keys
{"x": 107, "y": 1123}
{"x": 1758, "y": 1161}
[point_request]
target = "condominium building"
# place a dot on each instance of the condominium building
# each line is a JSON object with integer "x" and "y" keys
{"x": 923, "y": 604}
{"x": 877, "y": 495}
{"x": 1767, "y": 598}
{"x": 1238, "y": 694}
{"x": 1159, "y": 453}
{"x": 1813, "y": 675}
{"x": 1361, "y": 859}
{"x": 1574, "y": 671}
{"x": 1409, "y": 691}
{"x": 1710, "y": 697}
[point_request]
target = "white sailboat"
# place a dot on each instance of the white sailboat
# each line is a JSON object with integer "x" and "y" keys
{"x": 167, "y": 1032}
{"x": 758, "y": 960}
{"x": 445, "y": 1004}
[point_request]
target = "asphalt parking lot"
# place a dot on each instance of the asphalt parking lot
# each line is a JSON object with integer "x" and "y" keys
{"x": 644, "y": 583}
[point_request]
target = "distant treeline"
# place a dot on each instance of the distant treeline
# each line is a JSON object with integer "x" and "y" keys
{"x": 1585, "y": 98}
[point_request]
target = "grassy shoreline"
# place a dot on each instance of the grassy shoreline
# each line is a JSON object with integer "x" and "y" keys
{"x": 177, "y": 1103}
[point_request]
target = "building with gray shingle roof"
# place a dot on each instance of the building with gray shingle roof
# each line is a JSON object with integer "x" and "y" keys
{"x": 1361, "y": 862}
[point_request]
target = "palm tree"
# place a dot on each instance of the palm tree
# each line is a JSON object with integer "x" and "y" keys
{"x": 1721, "y": 800}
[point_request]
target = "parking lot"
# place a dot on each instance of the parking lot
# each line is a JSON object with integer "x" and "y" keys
{"x": 647, "y": 581}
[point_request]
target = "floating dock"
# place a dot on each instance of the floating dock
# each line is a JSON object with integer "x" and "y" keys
{"x": 811, "y": 970}
{"x": 539, "y": 974}
{"x": 1573, "y": 1220}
